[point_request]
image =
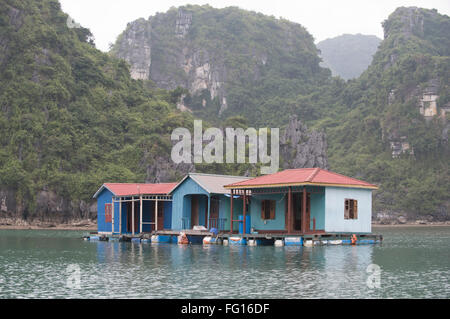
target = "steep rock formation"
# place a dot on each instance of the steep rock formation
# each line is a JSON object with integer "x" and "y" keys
{"x": 182, "y": 64}
{"x": 50, "y": 208}
{"x": 136, "y": 49}
{"x": 301, "y": 148}
{"x": 164, "y": 170}
{"x": 219, "y": 55}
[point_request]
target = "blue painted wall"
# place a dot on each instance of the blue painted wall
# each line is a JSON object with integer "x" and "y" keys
{"x": 279, "y": 223}
{"x": 104, "y": 197}
{"x": 148, "y": 211}
{"x": 335, "y": 207}
{"x": 318, "y": 209}
{"x": 168, "y": 215}
{"x": 181, "y": 202}
{"x": 182, "y": 205}
{"x": 255, "y": 210}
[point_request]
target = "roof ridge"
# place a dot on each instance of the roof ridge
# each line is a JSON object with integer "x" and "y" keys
{"x": 341, "y": 175}
{"x": 140, "y": 183}
{"x": 218, "y": 175}
{"x": 132, "y": 183}
{"x": 313, "y": 174}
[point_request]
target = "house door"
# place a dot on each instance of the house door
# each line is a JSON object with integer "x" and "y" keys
{"x": 130, "y": 217}
{"x": 160, "y": 216}
{"x": 297, "y": 212}
{"x": 214, "y": 214}
{"x": 194, "y": 211}
{"x": 308, "y": 211}
{"x": 298, "y": 208}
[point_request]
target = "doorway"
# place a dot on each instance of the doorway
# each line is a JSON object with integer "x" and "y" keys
{"x": 297, "y": 211}
{"x": 214, "y": 213}
{"x": 130, "y": 217}
{"x": 160, "y": 216}
{"x": 194, "y": 211}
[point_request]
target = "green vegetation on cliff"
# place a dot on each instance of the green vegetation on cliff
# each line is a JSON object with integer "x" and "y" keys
{"x": 268, "y": 69}
{"x": 231, "y": 61}
{"x": 71, "y": 117}
{"x": 384, "y": 119}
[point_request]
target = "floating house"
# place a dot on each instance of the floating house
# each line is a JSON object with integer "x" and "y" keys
{"x": 287, "y": 207}
{"x": 133, "y": 208}
{"x": 304, "y": 201}
{"x": 202, "y": 200}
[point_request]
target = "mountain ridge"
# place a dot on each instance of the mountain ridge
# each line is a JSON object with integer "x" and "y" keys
{"x": 378, "y": 122}
{"x": 348, "y": 55}
{"x": 72, "y": 117}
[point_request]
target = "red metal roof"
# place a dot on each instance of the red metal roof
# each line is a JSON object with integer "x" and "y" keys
{"x": 301, "y": 176}
{"x": 122, "y": 189}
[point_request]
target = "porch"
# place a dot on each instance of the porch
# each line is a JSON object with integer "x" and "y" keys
{"x": 293, "y": 210}
{"x": 139, "y": 214}
{"x": 203, "y": 210}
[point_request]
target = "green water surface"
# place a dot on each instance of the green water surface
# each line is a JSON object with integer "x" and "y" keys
{"x": 414, "y": 263}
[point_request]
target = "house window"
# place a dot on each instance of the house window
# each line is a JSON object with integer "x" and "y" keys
{"x": 351, "y": 209}
{"x": 268, "y": 209}
{"x": 108, "y": 213}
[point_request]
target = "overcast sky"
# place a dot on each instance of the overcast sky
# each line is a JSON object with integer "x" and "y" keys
{"x": 323, "y": 18}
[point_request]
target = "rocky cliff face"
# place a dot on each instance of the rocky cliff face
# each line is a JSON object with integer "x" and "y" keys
{"x": 410, "y": 22}
{"x": 50, "y": 208}
{"x": 216, "y": 53}
{"x": 414, "y": 46}
{"x": 184, "y": 64}
{"x": 136, "y": 49}
{"x": 300, "y": 147}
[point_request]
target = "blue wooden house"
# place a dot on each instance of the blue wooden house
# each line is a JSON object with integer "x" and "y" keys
{"x": 292, "y": 202}
{"x": 201, "y": 200}
{"x": 304, "y": 201}
{"x": 133, "y": 208}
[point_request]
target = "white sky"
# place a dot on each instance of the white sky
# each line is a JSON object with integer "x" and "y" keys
{"x": 322, "y": 18}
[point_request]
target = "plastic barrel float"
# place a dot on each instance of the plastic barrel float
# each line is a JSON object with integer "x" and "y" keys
{"x": 209, "y": 240}
{"x": 161, "y": 239}
{"x": 183, "y": 239}
{"x": 293, "y": 241}
{"x": 279, "y": 243}
{"x": 354, "y": 239}
{"x": 237, "y": 241}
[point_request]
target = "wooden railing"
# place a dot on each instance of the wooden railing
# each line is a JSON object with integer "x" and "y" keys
{"x": 218, "y": 223}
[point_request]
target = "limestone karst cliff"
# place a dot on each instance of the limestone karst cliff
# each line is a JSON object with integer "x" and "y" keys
{"x": 220, "y": 56}
{"x": 72, "y": 117}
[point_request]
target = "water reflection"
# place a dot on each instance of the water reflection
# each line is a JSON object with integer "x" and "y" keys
{"x": 260, "y": 271}
{"x": 413, "y": 264}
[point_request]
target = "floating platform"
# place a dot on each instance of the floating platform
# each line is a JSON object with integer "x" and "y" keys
{"x": 227, "y": 239}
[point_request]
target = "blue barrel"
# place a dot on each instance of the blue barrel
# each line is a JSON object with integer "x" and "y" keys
{"x": 247, "y": 224}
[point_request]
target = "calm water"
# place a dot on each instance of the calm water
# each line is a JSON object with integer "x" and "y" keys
{"x": 414, "y": 262}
